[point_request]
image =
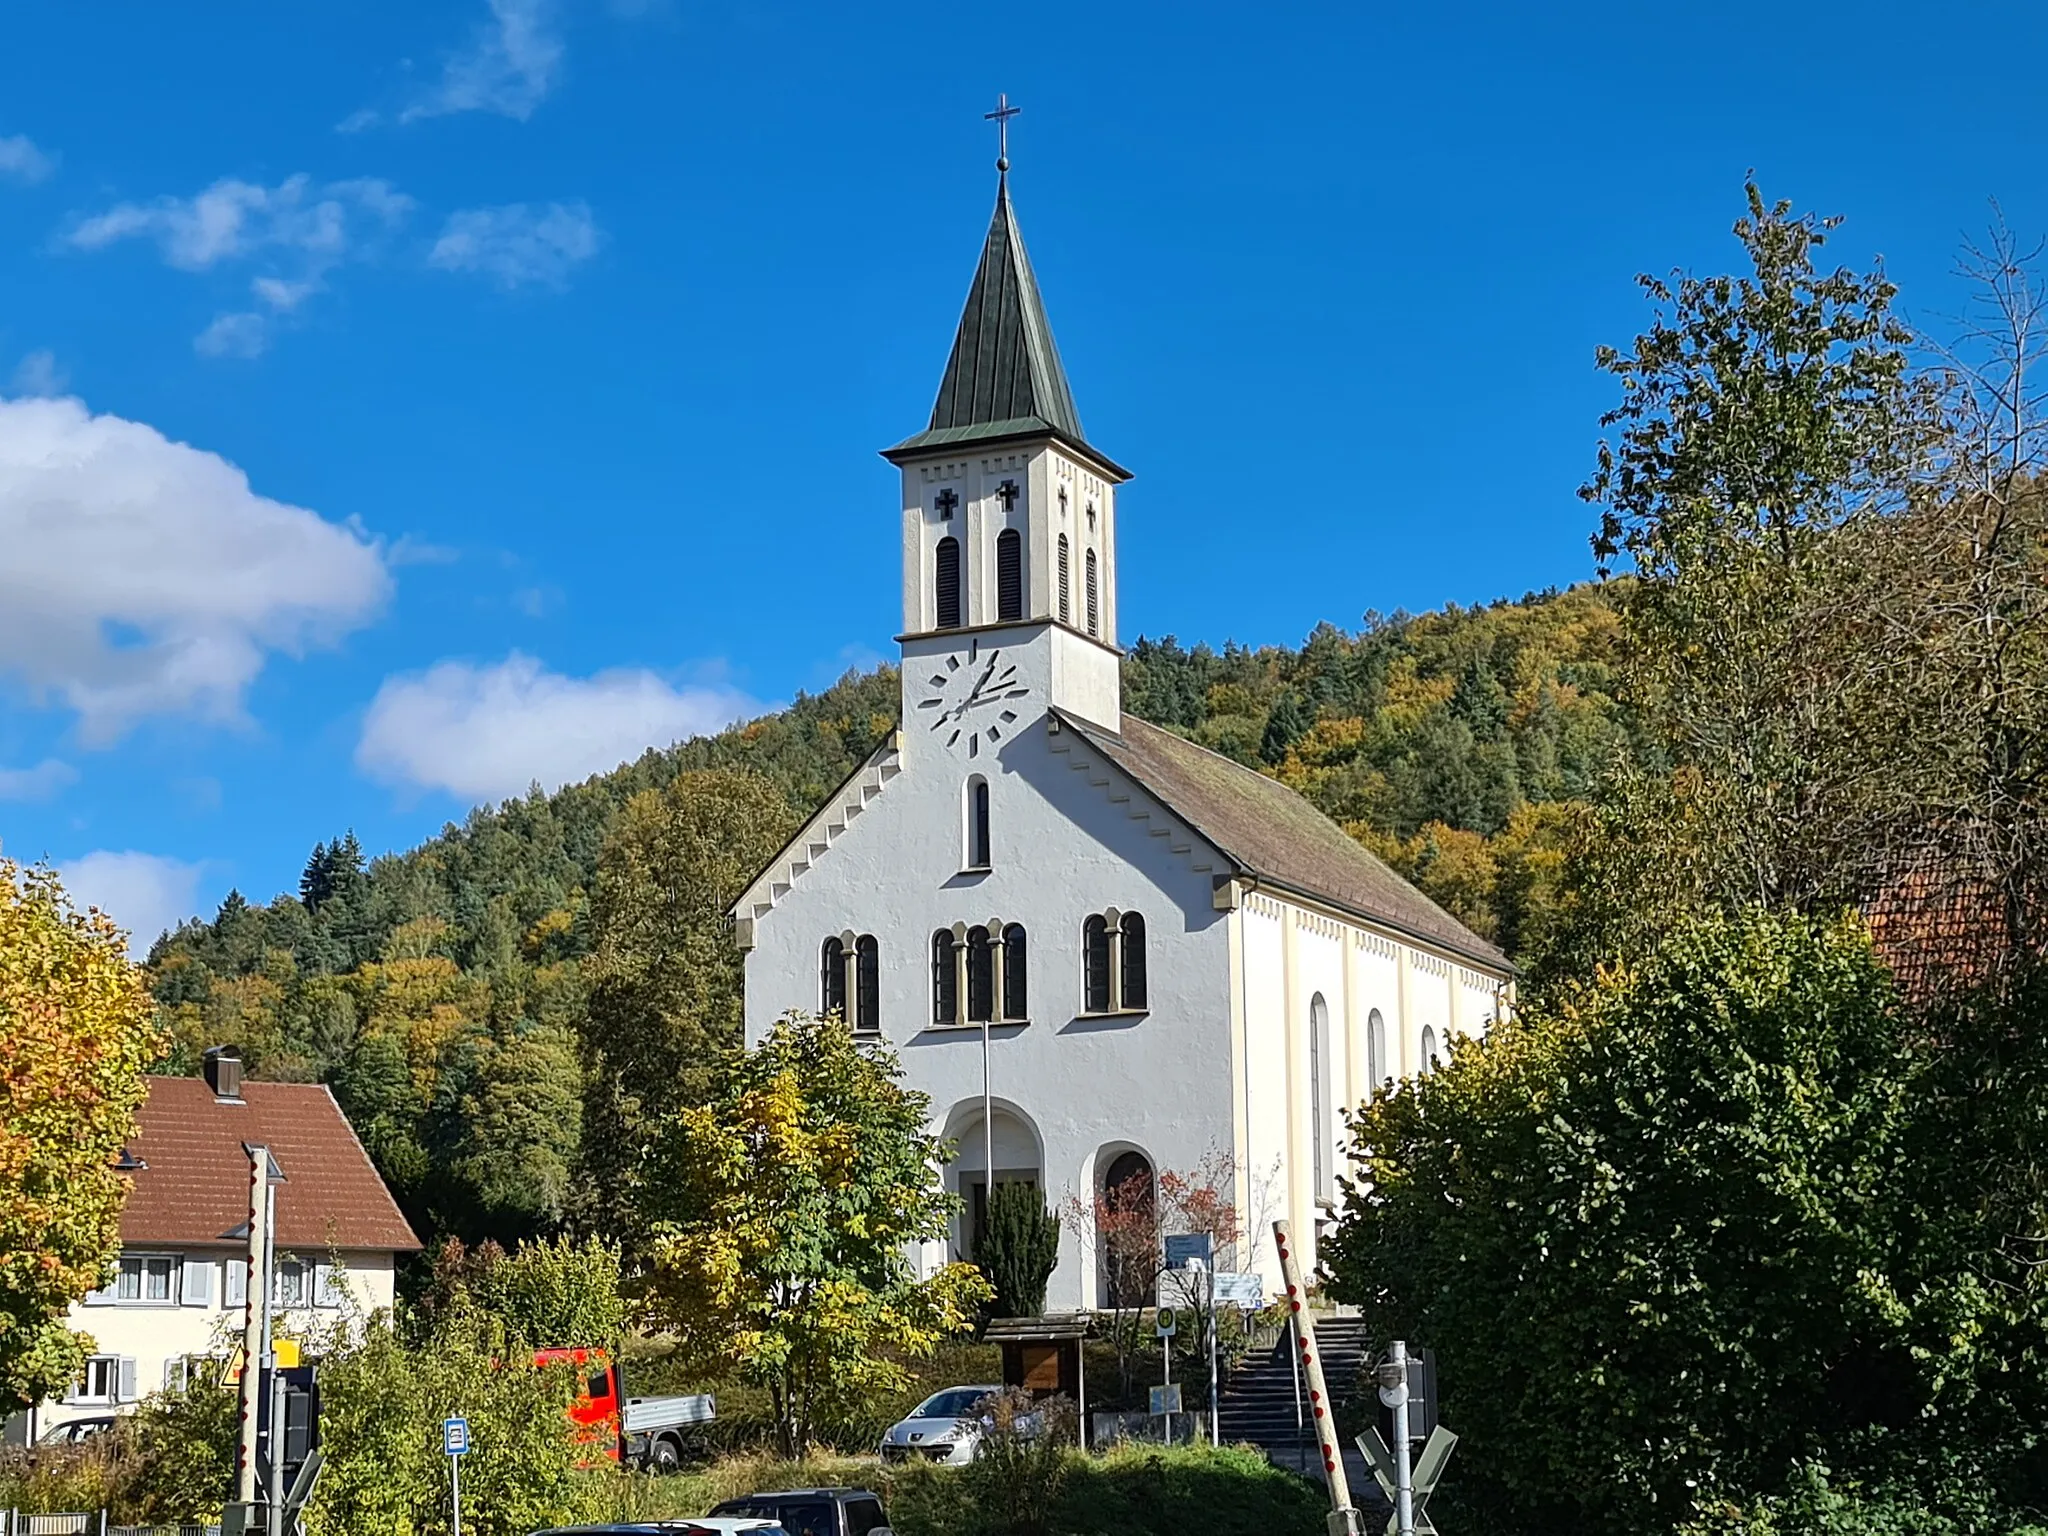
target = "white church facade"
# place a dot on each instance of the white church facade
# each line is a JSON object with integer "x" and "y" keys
{"x": 1160, "y": 958}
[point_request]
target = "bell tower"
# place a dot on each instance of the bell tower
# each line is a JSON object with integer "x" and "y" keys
{"x": 1009, "y": 513}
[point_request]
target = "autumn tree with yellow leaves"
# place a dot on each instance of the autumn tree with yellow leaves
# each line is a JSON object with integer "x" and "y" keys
{"x": 784, "y": 1209}
{"x": 76, "y": 1033}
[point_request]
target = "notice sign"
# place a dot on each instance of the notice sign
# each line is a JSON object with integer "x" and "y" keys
{"x": 455, "y": 1437}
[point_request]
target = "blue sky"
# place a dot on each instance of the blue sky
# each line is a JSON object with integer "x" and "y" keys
{"x": 403, "y": 402}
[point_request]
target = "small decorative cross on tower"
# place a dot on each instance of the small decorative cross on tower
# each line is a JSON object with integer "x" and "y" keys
{"x": 947, "y": 501}
{"x": 1007, "y": 494}
{"x": 1001, "y": 118}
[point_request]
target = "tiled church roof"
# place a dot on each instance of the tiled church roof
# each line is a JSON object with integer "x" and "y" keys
{"x": 1004, "y": 378}
{"x": 1269, "y": 831}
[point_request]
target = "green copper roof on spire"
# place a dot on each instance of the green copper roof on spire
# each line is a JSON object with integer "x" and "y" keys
{"x": 1004, "y": 378}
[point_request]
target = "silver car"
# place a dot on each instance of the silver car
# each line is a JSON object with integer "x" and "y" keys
{"x": 945, "y": 1428}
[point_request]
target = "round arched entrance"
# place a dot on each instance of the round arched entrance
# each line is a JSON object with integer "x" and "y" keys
{"x": 1127, "y": 1230}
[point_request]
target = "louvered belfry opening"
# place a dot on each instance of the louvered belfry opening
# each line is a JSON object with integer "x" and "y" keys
{"x": 1066, "y": 607}
{"x": 948, "y": 583}
{"x": 1094, "y": 598}
{"x": 1009, "y": 576}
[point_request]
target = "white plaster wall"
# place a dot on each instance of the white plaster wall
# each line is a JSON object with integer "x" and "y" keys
{"x": 153, "y": 1333}
{"x": 1068, "y": 838}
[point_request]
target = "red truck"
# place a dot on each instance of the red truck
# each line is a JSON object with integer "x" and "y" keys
{"x": 633, "y": 1431}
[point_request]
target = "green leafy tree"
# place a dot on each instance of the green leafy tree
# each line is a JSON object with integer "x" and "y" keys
{"x": 665, "y": 978}
{"x": 1018, "y": 1249}
{"x": 76, "y": 1034}
{"x": 1664, "y": 1208}
{"x": 783, "y": 1210}
{"x": 554, "y": 1293}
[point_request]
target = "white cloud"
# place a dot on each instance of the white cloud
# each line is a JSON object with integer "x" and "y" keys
{"x": 143, "y": 892}
{"x": 37, "y": 783}
{"x": 517, "y": 243}
{"x": 305, "y": 227}
{"x": 144, "y": 576}
{"x": 20, "y": 160}
{"x": 38, "y": 374}
{"x": 484, "y": 733}
{"x": 237, "y": 333}
{"x": 508, "y": 68}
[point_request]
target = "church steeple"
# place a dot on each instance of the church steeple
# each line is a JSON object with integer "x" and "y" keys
{"x": 1004, "y": 378}
{"x": 1009, "y": 517}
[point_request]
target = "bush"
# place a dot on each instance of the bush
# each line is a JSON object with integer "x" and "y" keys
{"x": 1023, "y": 1463}
{"x": 1018, "y": 1248}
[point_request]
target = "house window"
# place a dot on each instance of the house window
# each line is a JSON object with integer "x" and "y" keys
{"x": 1375, "y": 1050}
{"x": 1428, "y": 1049}
{"x": 1319, "y": 1113}
{"x": 832, "y": 977}
{"x": 981, "y": 976}
{"x": 292, "y": 1283}
{"x": 1131, "y": 943}
{"x": 1009, "y": 576}
{"x": 945, "y": 979}
{"x": 328, "y": 1285}
{"x": 107, "y": 1379}
{"x": 1094, "y": 607}
{"x": 867, "y": 985}
{"x": 145, "y": 1278}
{"x": 977, "y": 823}
{"x": 1015, "y": 997}
{"x": 1095, "y": 996}
{"x": 949, "y": 583}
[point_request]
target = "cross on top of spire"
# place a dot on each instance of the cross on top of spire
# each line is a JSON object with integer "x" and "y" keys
{"x": 1001, "y": 118}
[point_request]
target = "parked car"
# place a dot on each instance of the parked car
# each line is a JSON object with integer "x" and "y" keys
{"x": 946, "y": 1428}
{"x": 72, "y": 1431}
{"x": 709, "y": 1525}
{"x": 815, "y": 1511}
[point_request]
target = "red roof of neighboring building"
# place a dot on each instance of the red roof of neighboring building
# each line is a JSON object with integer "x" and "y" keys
{"x": 196, "y": 1187}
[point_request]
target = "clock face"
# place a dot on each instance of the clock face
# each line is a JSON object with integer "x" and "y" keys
{"x": 968, "y": 700}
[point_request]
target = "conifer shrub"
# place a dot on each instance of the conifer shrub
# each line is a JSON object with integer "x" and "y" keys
{"x": 1018, "y": 1248}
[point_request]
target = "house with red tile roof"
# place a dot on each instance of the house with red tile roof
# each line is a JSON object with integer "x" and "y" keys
{"x": 180, "y": 1289}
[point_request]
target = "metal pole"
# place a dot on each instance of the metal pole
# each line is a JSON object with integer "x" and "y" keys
{"x": 455, "y": 1492}
{"x": 988, "y": 1135}
{"x": 275, "y": 1524}
{"x": 1404, "y": 1476}
{"x": 269, "y": 1264}
{"x": 1215, "y": 1412}
{"x": 252, "y": 1328}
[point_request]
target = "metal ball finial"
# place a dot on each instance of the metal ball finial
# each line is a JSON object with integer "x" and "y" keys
{"x": 1003, "y": 163}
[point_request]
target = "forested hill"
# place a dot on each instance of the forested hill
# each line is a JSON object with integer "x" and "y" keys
{"x": 462, "y": 996}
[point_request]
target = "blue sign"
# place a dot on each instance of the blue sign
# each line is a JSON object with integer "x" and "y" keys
{"x": 1183, "y": 1246}
{"x": 455, "y": 1437}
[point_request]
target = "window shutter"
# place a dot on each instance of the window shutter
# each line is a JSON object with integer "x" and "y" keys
{"x": 1066, "y": 611}
{"x": 195, "y": 1287}
{"x": 948, "y": 583}
{"x": 235, "y": 1284}
{"x": 1009, "y": 576}
{"x": 126, "y": 1391}
{"x": 326, "y": 1290}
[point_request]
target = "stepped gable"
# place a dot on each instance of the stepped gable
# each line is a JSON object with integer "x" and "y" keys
{"x": 1271, "y": 833}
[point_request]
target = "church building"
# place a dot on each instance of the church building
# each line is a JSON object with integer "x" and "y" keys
{"x": 1141, "y": 955}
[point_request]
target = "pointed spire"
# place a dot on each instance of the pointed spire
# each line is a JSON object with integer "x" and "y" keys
{"x": 1004, "y": 378}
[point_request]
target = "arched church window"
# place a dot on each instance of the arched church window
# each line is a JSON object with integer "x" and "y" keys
{"x": 1095, "y": 964}
{"x": 1131, "y": 936}
{"x": 1128, "y": 1246}
{"x": 981, "y": 975}
{"x": 1428, "y": 1049}
{"x": 1009, "y": 576}
{"x": 977, "y": 823}
{"x": 832, "y": 978}
{"x": 1016, "y": 997}
{"x": 867, "y": 985}
{"x": 1319, "y": 1110}
{"x": 1066, "y": 607}
{"x": 949, "y": 583}
{"x": 945, "y": 979}
{"x": 1094, "y": 605}
{"x": 1375, "y": 1050}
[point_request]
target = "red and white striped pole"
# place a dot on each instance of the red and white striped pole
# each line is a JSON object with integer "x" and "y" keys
{"x": 1343, "y": 1518}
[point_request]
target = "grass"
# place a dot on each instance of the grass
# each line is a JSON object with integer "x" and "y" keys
{"x": 1132, "y": 1491}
